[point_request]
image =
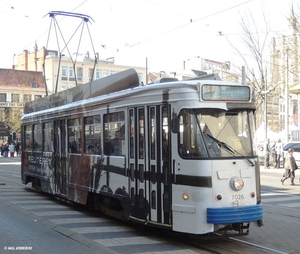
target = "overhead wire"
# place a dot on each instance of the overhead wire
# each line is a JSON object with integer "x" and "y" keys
{"x": 22, "y": 14}
{"x": 191, "y": 21}
{"x": 147, "y": 40}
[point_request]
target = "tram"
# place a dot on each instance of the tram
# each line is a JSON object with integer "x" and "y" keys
{"x": 174, "y": 154}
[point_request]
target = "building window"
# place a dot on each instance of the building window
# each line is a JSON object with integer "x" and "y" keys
{"x": 71, "y": 72}
{"x": 15, "y": 98}
{"x": 33, "y": 85}
{"x": 2, "y": 97}
{"x": 105, "y": 73}
{"x": 79, "y": 74}
{"x": 98, "y": 74}
{"x": 64, "y": 71}
{"x": 51, "y": 53}
{"x": 111, "y": 72}
{"x": 36, "y": 97}
{"x": 27, "y": 97}
{"x": 91, "y": 71}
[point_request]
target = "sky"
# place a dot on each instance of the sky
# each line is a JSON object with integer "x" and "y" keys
{"x": 163, "y": 33}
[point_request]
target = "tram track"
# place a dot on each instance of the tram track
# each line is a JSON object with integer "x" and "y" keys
{"x": 217, "y": 243}
{"x": 258, "y": 246}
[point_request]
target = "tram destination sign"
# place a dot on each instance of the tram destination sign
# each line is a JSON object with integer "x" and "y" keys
{"x": 225, "y": 93}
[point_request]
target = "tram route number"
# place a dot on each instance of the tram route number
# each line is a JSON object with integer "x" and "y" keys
{"x": 237, "y": 197}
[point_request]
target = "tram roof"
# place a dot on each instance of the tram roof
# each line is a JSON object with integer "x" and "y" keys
{"x": 119, "y": 81}
{"x": 109, "y": 91}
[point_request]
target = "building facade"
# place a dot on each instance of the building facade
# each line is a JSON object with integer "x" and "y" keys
{"x": 285, "y": 77}
{"x": 16, "y": 88}
{"x": 62, "y": 72}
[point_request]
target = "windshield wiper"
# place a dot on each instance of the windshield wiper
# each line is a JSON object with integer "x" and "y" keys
{"x": 222, "y": 145}
{"x": 229, "y": 149}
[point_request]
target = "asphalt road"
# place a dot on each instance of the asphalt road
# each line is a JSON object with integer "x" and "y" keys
{"x": 35, "y": 223}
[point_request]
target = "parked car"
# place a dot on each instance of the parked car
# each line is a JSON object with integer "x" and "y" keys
{"x": 296, "y": 146}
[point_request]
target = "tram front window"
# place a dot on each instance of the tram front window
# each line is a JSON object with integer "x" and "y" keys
{"x": 215, "y": 133}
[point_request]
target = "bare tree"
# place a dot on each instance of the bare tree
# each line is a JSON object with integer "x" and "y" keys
{"x": 259, "y": 61}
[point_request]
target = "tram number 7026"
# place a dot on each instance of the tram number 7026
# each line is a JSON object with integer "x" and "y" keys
{"x": 237, "y": 197}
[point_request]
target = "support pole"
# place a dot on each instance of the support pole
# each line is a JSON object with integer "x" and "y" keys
{"x": 287, "y": 111}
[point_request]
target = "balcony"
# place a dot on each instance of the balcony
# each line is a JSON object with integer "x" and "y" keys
{"x": 12, "y": 104}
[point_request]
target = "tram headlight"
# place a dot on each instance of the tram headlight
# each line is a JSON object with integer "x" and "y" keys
{"x": 237, "y": 183}
{"x": 185, "y": 196}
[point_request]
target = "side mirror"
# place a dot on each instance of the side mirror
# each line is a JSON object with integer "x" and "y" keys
{"x": 175, "y": 125}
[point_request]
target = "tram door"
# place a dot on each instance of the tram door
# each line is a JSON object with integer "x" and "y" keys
{"x": 137, "y": 164}
{"x": 60, "y": 157}
{"x": 149, "y": 160}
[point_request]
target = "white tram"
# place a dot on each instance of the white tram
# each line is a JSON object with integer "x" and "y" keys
{"x": 179, "y": 154}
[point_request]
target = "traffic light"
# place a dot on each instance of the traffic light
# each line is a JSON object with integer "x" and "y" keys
{"x": 14, "y": 136}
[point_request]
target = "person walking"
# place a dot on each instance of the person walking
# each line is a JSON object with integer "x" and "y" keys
{"x": 267, "y": 151}
{"x": 12, "y": 150}
{"x": 279, "y": 151}
{"x": 290, "y": 167}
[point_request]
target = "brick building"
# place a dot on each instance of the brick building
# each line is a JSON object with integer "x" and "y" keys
{"x": 16, "y": 88}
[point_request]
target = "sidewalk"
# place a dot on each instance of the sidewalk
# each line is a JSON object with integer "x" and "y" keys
{"x": 280, "y": 172}
{"x": 271, "y": 170}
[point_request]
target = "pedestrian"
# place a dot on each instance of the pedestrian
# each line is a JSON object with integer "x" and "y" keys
{"x": 267, "y": 151}
{"x": 279, "y": 151}
{"x": 290, "y": 167}
{"x": 12, "y": 150}
{"x": 5, "y": 150}
{"x": 17, "y": 149}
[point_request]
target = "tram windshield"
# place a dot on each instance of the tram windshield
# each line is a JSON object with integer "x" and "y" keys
{"x": 216, "y": 133}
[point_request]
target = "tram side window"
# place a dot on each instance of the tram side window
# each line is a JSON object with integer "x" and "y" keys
{"x": 132, "y": 133}
{"x": 48, "y": 137}
{"x": 152, "y": 133}
{"x": 28, "y": 137}
{"x": 141, "y": 132}
{"x": 165, "y": 135}
{"x": 114, "y": 124}
{"x": 37, "y": 137}
{"x": 92, "y": 135}
{"x": 74, "y": 139}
